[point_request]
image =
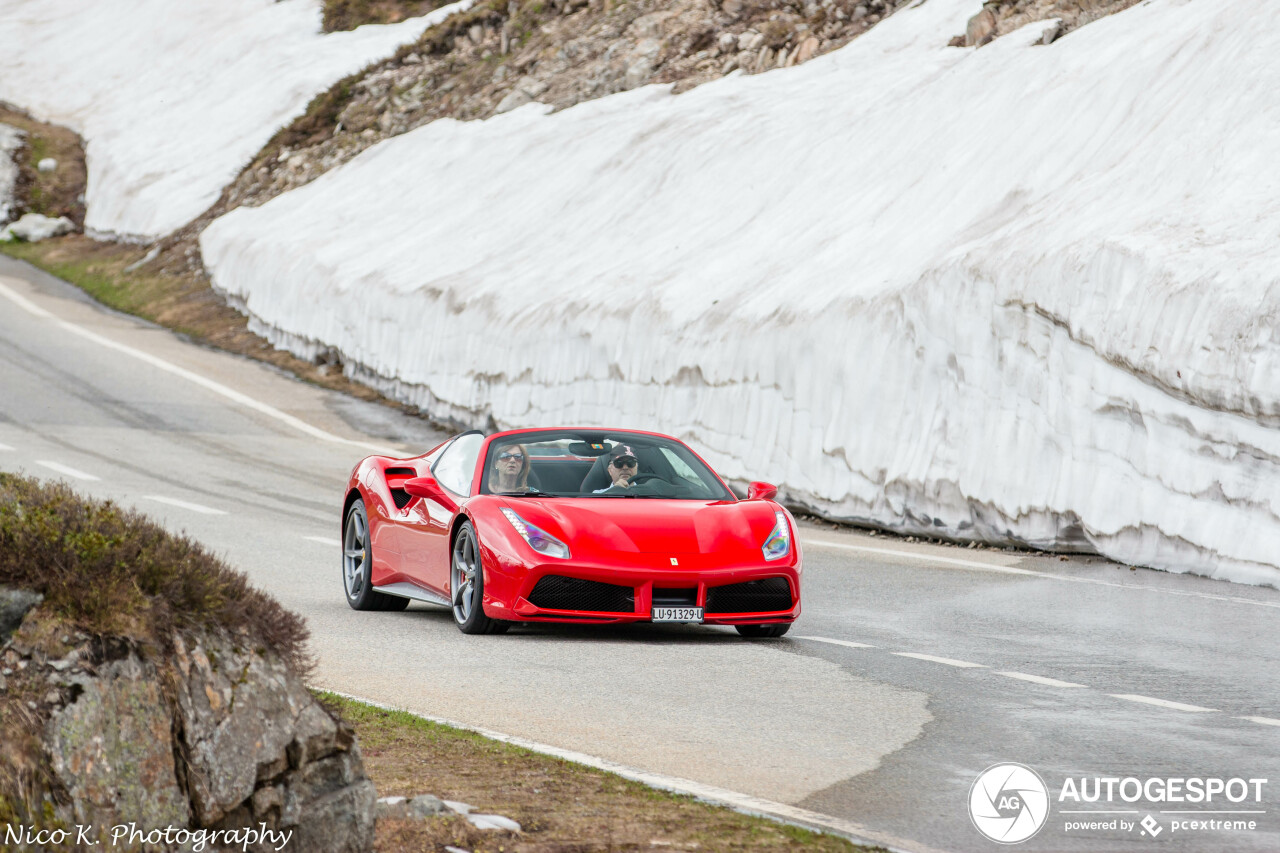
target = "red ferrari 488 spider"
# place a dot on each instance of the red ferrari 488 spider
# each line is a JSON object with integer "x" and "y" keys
{"x": 568, "y": 525}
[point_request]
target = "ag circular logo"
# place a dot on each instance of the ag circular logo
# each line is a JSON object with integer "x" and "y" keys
{"x": 1008, "y": 803}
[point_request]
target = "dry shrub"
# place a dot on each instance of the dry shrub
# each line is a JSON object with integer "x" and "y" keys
{"x": 110, "y": 571}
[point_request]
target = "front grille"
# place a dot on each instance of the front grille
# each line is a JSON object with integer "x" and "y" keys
{"x": 765, "y": 596}
{"x": 676, "y": 597}
{"x": 560, "y": 593}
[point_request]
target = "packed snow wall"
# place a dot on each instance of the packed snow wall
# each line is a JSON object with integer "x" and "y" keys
{"x": 175, "y": 97}
{"x": 1022, "y": 293}
{"x": 11, "y": 140}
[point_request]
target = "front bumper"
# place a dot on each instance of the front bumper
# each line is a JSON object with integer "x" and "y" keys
{"x": 515, "y": 594}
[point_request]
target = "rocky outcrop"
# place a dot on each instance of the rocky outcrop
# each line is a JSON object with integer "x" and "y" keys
{"x": 504, "y": 54}
{"x": 217, "y": 735}
{"x": 1001, "y": 17}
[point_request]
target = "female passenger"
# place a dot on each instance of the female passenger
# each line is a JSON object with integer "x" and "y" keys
{"x": 510, "y": 470}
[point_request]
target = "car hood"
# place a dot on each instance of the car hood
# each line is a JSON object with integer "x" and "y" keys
{"x": 653, "y": 525}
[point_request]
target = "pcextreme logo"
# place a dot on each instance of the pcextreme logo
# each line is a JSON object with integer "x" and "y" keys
{"x": 1008, "y": 803}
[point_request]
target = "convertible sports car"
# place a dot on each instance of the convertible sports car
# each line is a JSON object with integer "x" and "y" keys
{"x": 568, "y": 525}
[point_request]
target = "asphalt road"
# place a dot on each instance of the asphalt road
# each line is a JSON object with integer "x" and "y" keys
{"x": 912, "y": 670}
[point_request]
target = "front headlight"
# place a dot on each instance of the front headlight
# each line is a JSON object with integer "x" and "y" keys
{"x": 538, "y": 539}
{"x": 778, "y": 545}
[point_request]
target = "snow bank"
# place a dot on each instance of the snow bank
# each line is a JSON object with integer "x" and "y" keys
{"x": 1016, "y": 293}
{"x": 174, "y": 97}
{"x": 10, "y": 141}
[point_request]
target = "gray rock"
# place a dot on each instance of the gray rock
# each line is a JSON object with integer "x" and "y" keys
{"x": 426, "y": 805}
{"x": 980, "y": 29}
{"x": 247, "y": 720}
{"x": 48, "y": 164}
{"x": 393, "y": 808}
{"x": 14, "y": 605}
{"x": 513, "y": 99}
{"x": 267, "y": 799}
{"x": 807, "y": 49}
{"x": 638, "y": 72}
{"x": 113, "y": 750}
{"x": 532, "y": 86}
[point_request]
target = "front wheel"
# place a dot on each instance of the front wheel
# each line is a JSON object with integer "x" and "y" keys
{"x": 357, "y": 565}
{"x": 466, "y": 586}
{"x": 756, "y": 632}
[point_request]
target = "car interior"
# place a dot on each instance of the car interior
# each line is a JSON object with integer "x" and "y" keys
{"x": 581, "y": 467}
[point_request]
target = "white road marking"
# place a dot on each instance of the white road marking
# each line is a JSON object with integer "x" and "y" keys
{"x": 5, "y": 447}
{"x": 74, "y": 473}
{"x": 1011, "y": 570}
{"x": 324, "y": 540}
{"x": 739, "y": 802}
{"x": 201, "y": 508}
{"x": 1163, "y": 703}
{"x": 204, "y": 382}
{"x": 963, "y": 664}
{"x": 848, "y": 643}
{"x": 1039, "y": 679}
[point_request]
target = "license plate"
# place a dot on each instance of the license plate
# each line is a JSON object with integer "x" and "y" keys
{"x": 677, "y": 614}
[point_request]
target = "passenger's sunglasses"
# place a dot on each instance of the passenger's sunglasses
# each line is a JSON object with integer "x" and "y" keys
{"x": 502, "y": 457}
{"x": 624, "y": 462}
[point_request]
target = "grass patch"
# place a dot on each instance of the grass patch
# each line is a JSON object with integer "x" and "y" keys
{"x": 101, "y": 274}
{"x": 560, "y": 805}
{"x": 111, "y": 572}
{"x": 180, "y": 300}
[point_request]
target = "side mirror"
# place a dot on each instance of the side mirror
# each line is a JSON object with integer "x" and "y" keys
{"x": 424, "y": 487}
{"x": 758, "y": 491}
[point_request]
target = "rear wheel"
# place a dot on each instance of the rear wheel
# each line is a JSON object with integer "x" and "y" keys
{"x": 466, "y": 586}
{"x": 756, "y": 632}
{"x": 357, "y": 565}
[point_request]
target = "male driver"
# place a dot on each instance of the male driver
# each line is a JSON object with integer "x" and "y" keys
{"x": 621, "y": 468}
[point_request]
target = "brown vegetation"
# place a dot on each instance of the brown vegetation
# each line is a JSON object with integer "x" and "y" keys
{"x": 111, "y": 572}
{"x": 56, "y": 193}
{"x": 560, "y": 806}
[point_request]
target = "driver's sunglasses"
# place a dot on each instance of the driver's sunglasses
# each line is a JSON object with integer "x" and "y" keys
{"x": 624, "y": 462}
{"x": 502, "y": 457}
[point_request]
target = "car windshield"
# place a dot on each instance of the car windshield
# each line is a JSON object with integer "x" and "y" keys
{"x": 598, "y": 465}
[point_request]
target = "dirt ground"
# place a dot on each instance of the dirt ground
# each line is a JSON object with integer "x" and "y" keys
{"x": 560, "y": 806}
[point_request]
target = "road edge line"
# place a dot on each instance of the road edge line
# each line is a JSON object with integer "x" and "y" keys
{"x": 190, "y": 375}
{"x": 738, "y": 802}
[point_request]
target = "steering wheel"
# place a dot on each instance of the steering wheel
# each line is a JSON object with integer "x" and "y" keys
{"x": 643, "y": 478}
